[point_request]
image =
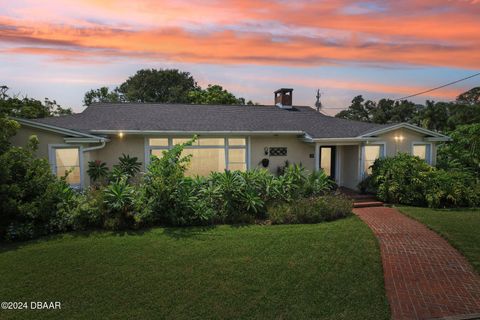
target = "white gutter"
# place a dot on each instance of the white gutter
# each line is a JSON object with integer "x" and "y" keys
{"x": 176, "y": 132}
{"x": 56, "y": 129}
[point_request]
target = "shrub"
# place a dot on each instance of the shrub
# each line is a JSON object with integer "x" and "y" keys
{"x": 31, "y": 197}
{"x": 97, "y": 170}
{"x": 310, "y": 210}
{"x": 401, "y": 179}
{"x": 406, "y": 179}
{"x": 127, "y": 166}
{"x": 167, "y": 193}
{"x": 452, "y": 189}
{"x": 119, "y": 199}
{"x": 88, "y": 211}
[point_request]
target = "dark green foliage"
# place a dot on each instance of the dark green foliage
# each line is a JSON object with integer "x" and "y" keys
{"x": 405, "y": 179}
{"x": 30, "y": 196}
{"x": 102, "y": 95}
{"x": 310, "y": 210}
{"x": 162, "y": 86}
{"x": 439, "y": 116}
{"x": 119, "y": 199}
{"x": 30, "y": 108}
{"x": 88, "y": 211}
{"x": 127, "y": 166}
{"x": 214, "y": 94}
{"x": 463, "y": 152}
{"x": 97, "y": 170}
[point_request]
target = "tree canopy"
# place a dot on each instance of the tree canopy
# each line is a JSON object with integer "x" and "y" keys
{"x": 439, "y": 116}
{"x": 162, "y": 86}
{"x": 29, "y": 108}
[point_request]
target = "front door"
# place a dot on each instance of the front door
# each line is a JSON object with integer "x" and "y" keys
{"x": 327, "y": 160}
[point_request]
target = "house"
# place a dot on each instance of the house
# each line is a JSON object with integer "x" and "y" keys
{"x": 238, "y": 137}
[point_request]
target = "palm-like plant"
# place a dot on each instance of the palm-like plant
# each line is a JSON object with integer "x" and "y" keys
{"x": 97, "y": 170}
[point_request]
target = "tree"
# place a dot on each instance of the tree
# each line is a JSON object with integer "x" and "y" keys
{"x": 161, "y": 86}
{"x": 102, "y": 95}
{"x": 464, "y": 151}
{"x": 359, "y": 110}
{"x": 213, "y": 94}
{"x": 434, "y": 116}
{"x": 471, "y": 96}
{"x": 30, "y": 108}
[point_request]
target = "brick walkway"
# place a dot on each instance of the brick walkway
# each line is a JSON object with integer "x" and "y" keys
{"x": 425, "y": 277}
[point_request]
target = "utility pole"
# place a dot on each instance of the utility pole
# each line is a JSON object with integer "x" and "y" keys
{"x": 318, "y": 104}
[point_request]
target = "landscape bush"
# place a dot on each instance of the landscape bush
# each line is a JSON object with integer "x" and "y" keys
{"x": 405, "y": 179}
{"x": 35, "y": 202}
{"x": 310, "y": 210}
{"x": 30, "y": 195}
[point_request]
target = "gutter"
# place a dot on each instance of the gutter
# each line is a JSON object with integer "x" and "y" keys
{"x": 176, "y": 132}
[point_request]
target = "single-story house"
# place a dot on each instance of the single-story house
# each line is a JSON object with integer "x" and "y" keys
{"x": 234, "y": 137}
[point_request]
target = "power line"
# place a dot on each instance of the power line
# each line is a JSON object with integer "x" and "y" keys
{"x": 439, "y": 87}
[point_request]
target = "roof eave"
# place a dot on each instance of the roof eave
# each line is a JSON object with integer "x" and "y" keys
{"x": 408, "y": 126}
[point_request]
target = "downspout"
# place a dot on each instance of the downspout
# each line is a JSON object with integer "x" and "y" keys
{"x": 101, "y": 146}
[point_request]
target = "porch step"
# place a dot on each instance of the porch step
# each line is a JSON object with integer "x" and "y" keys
{"x": 365, "y": 204}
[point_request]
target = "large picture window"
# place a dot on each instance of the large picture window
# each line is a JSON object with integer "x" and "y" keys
{"x": 209, "y": 154}
{"x": 67, "y": 160}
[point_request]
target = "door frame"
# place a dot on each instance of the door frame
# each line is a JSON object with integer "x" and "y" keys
{"x": 333, "y": 161}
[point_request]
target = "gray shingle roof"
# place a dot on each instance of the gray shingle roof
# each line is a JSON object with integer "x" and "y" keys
{"x": 192, "y": 118}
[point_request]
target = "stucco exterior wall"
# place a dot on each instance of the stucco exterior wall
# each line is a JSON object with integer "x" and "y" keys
{"x": 45, "y": 138}
{"x": 297, "y": 152}
{"x": 349, "y": 165}
{"x": 132, "y": 145}
{"x": 405, "y": 145}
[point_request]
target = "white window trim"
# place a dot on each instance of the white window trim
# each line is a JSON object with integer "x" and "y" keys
{"x": 53, "y": 162}
{"x": 429, "y": 160}
{"x": 383, "y": 150}
{"x": 225, "y": 146}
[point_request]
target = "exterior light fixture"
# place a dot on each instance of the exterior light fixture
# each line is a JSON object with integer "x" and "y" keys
{"x": 398, "y": 138}
{"x": 120, "y": 135}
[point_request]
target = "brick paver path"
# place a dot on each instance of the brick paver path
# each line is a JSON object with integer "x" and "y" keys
{"x": 425, "y": 277}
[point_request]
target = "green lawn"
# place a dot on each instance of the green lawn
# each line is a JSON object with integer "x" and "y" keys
{"x": 323, "y": 271}
{"x": 460, "y": 227}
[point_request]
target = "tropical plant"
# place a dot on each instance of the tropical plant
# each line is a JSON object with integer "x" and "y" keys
{"x": 127, "y": 166}
{"x": 119, "y": 199}
{"x": 97, "y": 170}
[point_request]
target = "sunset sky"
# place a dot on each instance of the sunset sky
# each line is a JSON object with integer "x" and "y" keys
{"x": 60, "y": 49}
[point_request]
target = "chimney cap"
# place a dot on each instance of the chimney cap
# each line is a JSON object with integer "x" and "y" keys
{"x": 284, "y": 90}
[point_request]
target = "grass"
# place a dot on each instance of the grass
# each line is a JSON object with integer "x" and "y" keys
{"x": 323, "y": 271}
{"x": 459, "y": 227}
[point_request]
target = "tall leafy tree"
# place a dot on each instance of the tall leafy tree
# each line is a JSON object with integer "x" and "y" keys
{"x": 359, "y": 110}
{"x": 214, "y": 94}
{"x": 102, "y": 95}
{"x": 471, "y": 97}
{"x": 162, "y": 86}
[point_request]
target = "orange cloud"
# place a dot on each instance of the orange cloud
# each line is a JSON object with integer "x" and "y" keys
{"x": 425, "y": 32}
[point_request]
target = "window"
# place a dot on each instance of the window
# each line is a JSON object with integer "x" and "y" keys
{"x": 66, "y": 159}
{"x": 422, "y": 150}
{"x": 371, "y": 153}
{"x": 208, "y": 153}
{"x": 204, "y": 161}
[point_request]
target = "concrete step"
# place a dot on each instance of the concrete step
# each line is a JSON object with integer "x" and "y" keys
{"x": 365, "y": 204}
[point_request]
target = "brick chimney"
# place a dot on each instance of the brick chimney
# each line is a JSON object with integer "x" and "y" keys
{"x": 284, "y": 98}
